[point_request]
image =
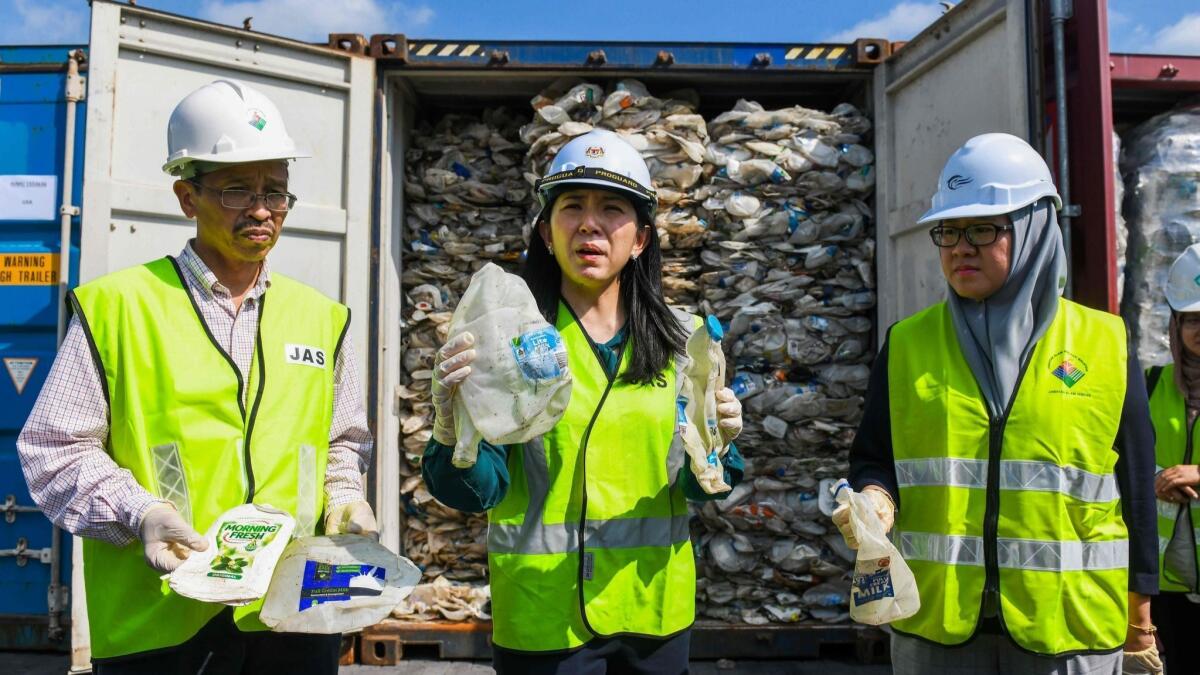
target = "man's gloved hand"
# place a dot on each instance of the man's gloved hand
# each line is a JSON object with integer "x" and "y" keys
{"x": 167, "y": 539}
{"x": 352, "y": 518}
{"x": 1144, "y": 662}
{"x": 884, "y": 508}
{"x": 729, "y": 415}
{"x": 450, "y": 368}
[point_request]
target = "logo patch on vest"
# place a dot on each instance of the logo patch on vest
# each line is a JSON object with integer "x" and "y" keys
{"x": 1068, "y": 367}
{"x": 304, "y": 355}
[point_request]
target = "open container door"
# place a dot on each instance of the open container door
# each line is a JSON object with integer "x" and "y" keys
{"x": 142, "y": 64}
{"x": 966, "y": 74}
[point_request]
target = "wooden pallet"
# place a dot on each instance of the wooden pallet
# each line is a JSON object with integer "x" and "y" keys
{"x": 383, "y": 644}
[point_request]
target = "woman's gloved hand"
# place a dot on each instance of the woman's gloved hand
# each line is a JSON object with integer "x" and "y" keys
{"x": 884, "y": 508}
{"x": 450, "y": 368}
{"x": 729, "y": 415}
{"x": 1144, "y": 662}
{"x": 167, "y": 539}
{"x": 353, "y": 518}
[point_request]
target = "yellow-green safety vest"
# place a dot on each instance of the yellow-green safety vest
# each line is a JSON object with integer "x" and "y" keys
{"x": 1174, "y": 444}
{"x": 1020, "y": 514}
{"x": 592, "y": 537}
{"x": 192, "y": 432}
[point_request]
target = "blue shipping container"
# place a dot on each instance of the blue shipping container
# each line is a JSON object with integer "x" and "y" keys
{"x": 33, "y": 120}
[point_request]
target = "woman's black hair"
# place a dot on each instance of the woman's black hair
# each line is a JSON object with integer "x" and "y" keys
{"x": 653, "y": 329}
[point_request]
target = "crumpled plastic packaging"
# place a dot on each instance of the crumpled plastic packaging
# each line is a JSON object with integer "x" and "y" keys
{"x": 244, "y": 545}
{"x": 764, "y": 222}
{"x": 444, "y": 600}
{"x": 1161, "y": 164}
{"x": 520, "y": 384}
{"x": 1122, "y": 229}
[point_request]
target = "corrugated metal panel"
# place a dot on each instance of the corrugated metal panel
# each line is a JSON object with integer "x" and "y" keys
{"x": 32, "y": 132}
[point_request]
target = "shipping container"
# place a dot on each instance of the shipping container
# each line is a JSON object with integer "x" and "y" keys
{"x": 986, "y": 65}
{"x": 41, "y": 173}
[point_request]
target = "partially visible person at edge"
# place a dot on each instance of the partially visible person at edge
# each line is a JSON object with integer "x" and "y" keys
{"x": 177, "y": 395}
{"x": 1174, "y": 407}
{"x": 1007, "y": 435}
{"x": 591, "y": 563}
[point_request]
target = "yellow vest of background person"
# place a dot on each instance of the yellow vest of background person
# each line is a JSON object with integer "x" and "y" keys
{"x": 179, "y": 425}
{"x": 1174, "y": 444}
{"x": 1020, "y": 512}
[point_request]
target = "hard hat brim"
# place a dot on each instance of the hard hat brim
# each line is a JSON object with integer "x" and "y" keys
{"x": 634, "y": 195}
{"x": 977, "y": 210}
{"x": 236, "y": 157}
{"x": 1181, "y": 305}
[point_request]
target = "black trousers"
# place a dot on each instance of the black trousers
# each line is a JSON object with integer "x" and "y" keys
{"x": 220, "y": 648}
{"x": 1177, "y": 618}
{"x": 601, "y": 656}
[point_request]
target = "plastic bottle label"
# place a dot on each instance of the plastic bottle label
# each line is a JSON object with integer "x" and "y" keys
{"x": 540, "y": 354}
{"x": 324, "y": 583}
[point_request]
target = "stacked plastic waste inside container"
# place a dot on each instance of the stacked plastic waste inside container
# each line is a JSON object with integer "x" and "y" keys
{"x": 764, "y": 223}
{"x": 1161, "y": 164}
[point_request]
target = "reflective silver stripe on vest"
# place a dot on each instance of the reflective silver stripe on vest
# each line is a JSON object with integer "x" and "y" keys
{"x": 533, "y": 536}
{"x": 172, "y": 482}
{"x": 943, "y": 471}
{"x": 1020, "y": 554}
{"x": 306, "y": 491}
{"x": 1014, "y": 475}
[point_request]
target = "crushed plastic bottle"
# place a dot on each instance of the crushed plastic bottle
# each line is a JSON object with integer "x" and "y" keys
{"x": 336, "y": 584}
{"x": 703, "y": 375}
{"x": 520, "y": 384}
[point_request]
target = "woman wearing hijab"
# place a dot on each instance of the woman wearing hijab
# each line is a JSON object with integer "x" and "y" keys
{"x": 591, "y": 563}
{"x": 1009, "y": 428}
{"x": 1174, "y": 407}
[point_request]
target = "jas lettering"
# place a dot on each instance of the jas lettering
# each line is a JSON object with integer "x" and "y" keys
{"x": 304, "y": 355}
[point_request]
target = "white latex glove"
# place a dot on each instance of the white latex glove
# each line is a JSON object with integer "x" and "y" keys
{"x": 1145, "y": 662}
{"x": 451, "y": 366}
{"x": 729, "y": 415}
{"x": 884, "y": 508}
{"x": 167, "y": 539}
{"x": 352, "y": 518}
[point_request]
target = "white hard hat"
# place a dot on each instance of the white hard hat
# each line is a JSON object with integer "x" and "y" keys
{"x": 1183, "y": 281}
{"x": 603, "y": 159}
{"x": 991, "y": 175}
{"x": 226, "y": 122}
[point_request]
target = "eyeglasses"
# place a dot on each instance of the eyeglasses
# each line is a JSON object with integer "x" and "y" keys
{"x": 979, "y": 234}
{"x": 235, "y": 198}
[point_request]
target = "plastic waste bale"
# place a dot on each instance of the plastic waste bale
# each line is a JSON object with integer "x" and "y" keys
{"x": 1162, "y": 208}
{"x": 1122, "y": 229}
{"x": 520, "y": 383}
{"x": 336, "y": 584}
{"x": 244, "y": 545}
{"x": 466, "y": 204}
{"x": 443, "y": 600}
{"x": 789, "y": 270}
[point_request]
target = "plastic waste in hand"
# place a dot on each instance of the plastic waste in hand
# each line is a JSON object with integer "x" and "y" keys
{"x": 519, "y": 384}
{"x": 883, "y": 588}
{"x": 244, "y": 544}
{"x": 334, "y": 584}
{"x": 704, "y": 375}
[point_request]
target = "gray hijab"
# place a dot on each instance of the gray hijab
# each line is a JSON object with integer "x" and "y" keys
{"x": 998, "y": 333}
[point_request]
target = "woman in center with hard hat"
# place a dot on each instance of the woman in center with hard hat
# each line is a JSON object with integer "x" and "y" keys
{"x": 588, "y": 545}
{"x": 1006, "y": 434}
{"x": 1174, "y": 407}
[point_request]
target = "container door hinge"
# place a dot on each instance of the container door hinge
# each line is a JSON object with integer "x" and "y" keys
{"x": 60, "y": 601}
{"x": 23, "y": 553}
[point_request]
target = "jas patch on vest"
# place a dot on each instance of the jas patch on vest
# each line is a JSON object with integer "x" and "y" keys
{"x": 304, "y": 355}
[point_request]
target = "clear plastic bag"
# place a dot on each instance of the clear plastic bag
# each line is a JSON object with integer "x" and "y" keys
{"x": 883, "y": 588}
{"x": 519, "y": 385}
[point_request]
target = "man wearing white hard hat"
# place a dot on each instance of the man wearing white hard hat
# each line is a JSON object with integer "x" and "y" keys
{"x": 192, "y": 384}
{"x": 1006, "y": 435}
{"x": 1174, "y": 407}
